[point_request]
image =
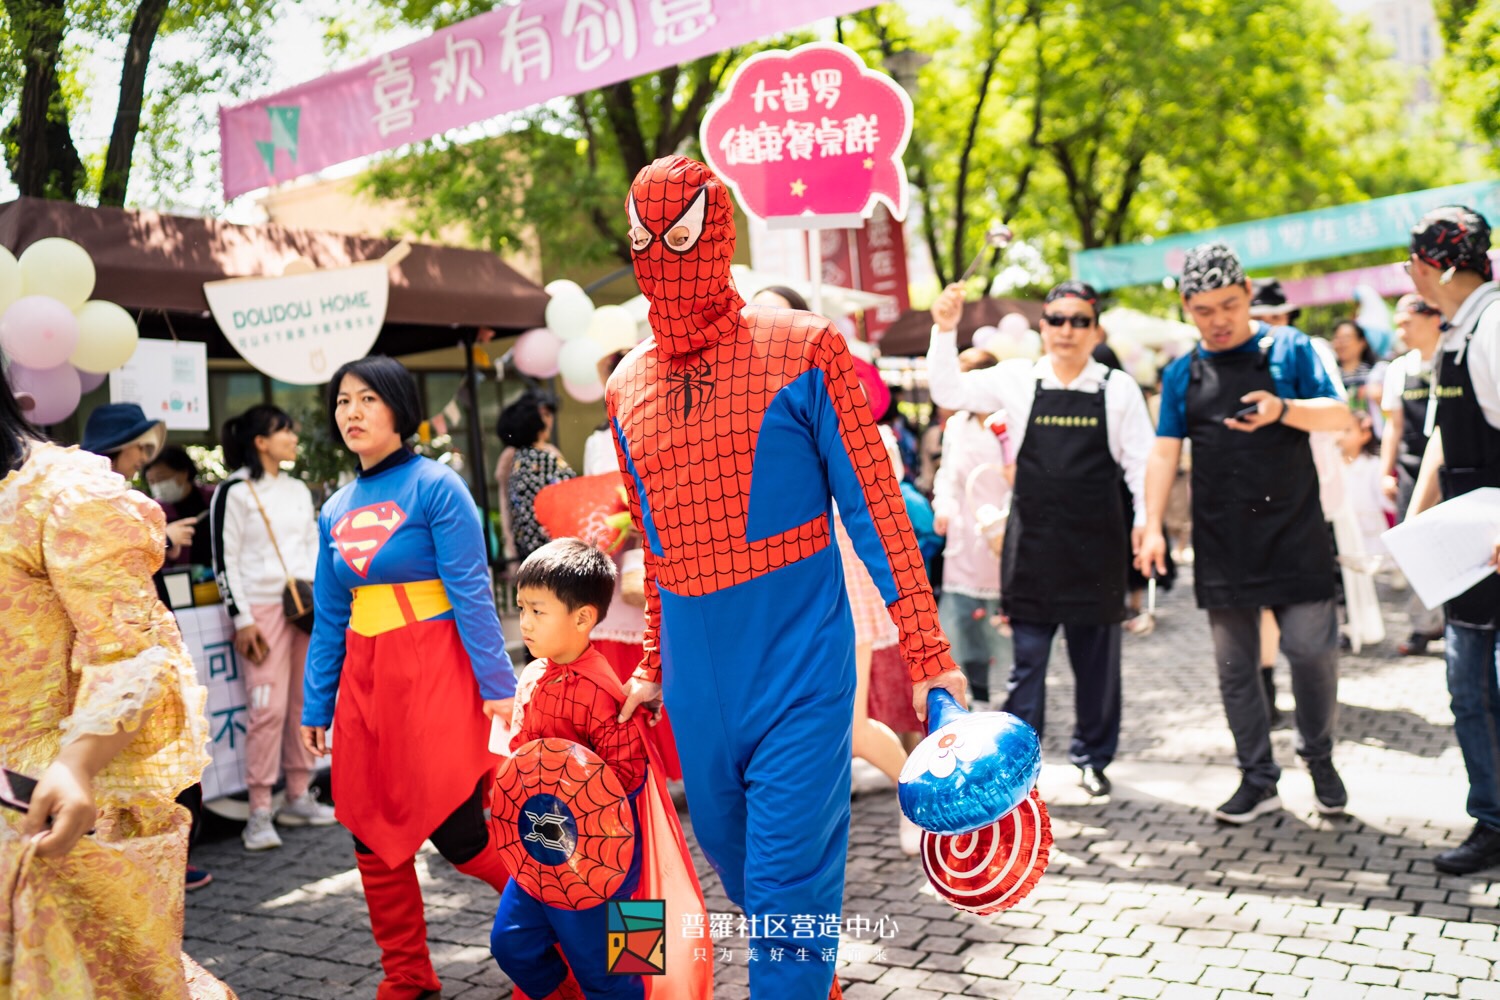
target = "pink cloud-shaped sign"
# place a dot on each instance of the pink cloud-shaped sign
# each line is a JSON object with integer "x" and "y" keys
{"x": 810, "y": 131}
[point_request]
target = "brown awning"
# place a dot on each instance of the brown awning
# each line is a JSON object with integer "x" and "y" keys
{"x": 908, "y": 336}
{"x": 158, "y": 263}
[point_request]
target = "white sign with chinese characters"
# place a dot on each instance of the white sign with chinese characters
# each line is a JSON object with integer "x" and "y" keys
{"x": 300, "y": 328}
{"x": 168, "y": 379}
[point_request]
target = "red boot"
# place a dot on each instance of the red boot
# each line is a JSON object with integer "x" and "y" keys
{"x": 834, "y": 992}
{"x": 394, "y": 898}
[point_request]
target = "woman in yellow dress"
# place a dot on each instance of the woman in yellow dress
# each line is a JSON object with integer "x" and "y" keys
{"x": 99, "y": 702}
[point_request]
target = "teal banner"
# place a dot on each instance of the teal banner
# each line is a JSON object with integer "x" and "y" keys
{"x": 1378, "y": 224}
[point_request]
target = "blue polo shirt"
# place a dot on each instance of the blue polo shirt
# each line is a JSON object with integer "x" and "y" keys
{"x": 1295, "y": 370}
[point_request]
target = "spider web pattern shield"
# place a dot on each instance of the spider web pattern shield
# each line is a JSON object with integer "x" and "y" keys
{"x": 563, "y": 824}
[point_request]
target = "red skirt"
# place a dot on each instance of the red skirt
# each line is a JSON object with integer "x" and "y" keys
{"x": 410, "y": 738}
{"x": 889, "y": 699}
{"x": 624, "y": 657}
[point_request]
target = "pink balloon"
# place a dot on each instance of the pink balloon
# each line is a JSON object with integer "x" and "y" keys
{"x": 984, "y": 336}
{"x": 585, "y": 393}
{"x": 38, "y": 332}
{"x": 1013, "y": 324}
{"x": 535, "y": 353}
{"x": 56, "y": 391}
{"x": 90, "y": 381}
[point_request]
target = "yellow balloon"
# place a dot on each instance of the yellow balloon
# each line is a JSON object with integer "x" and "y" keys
{"x": 106, "y": 337}
{"x": 10, "y": 279}
{"x": 59, "y": 269}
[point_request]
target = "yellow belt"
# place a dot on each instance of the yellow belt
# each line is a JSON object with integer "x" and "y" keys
{"x": 386, "y": 607}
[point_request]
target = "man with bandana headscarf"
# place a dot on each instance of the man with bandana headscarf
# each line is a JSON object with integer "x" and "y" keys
{"x": 1247, "y": 397}
{"x": 1076, "y": 428}
{"x": 735, "y": 428}
{"x": 1450, "y": 265}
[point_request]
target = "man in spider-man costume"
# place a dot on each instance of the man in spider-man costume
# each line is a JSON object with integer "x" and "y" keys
{"x": 736, "y": 427}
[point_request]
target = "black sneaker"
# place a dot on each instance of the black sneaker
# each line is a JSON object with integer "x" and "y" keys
{"x": 1328, "y": 787}
{"x": 1248, "y": 802}
{"x": 1481, "y": 850}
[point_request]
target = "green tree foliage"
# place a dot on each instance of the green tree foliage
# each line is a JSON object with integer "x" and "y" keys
{"x": 180, "y": 59}
{"x": 1087, "y": 125}
{"x": 1471, "y": 29}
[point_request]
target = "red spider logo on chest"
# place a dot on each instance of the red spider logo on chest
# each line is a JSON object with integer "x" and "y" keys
{"x": 689, "y": 389}
{"x": 361, "y": 534}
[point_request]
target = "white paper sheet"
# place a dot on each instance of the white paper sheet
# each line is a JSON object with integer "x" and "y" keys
{"x": 1446, "y": 550}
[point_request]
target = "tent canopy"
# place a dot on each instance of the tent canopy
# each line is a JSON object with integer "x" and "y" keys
{"x": 155, "y": 265}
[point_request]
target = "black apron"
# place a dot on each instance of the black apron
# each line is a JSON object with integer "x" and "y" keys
{"x": 1471, "y": 460}
{"x": 1258, "y": 529}
{"x": 1414, "y": 396}
{"x": 1067, "y": 547}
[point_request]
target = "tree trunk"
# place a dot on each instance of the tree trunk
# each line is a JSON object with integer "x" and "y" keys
{"x": 47, "y": 163}
{"x": 117, "y": 159}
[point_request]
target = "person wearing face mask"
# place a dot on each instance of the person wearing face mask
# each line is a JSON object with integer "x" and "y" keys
{"x": 172, "y": 479}
{"x": 1248, "y": 396}
{"x": 1075, "y": 429}
{"x": 264, "y": 534}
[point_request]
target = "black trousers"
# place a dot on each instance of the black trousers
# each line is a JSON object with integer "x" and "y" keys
{"x": 1094, "y": 651}
{"x": 461, "y": 836}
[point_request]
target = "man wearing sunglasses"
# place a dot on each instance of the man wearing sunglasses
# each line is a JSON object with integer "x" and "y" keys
{"x": 1450, "y": 266}
{"x": 1247, "y": 396}
{"x": 1076, "y": 428}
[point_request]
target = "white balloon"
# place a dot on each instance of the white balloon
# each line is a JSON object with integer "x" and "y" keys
{"x": 569, "y": 314}
{"x": 578, "y": 361}
{"x": 613, "y": 329}
{"x": 560, "y": 288}
{"x": 106, "y": 337}
{"x": 59, "y": 269}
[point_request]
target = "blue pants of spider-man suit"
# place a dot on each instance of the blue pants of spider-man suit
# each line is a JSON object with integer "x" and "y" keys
{"x": 525, "y": 930}
{"x": 759, "y": 680}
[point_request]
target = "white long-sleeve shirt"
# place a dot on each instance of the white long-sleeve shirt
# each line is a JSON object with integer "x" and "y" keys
{"x": 1011, "y": 386}
{"x": 245, "y": 562}
{"x": 971, "y": 453}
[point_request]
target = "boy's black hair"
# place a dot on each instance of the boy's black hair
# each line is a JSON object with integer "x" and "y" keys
{"x": 395, "y": 386}
{"x": 574, "y": 571}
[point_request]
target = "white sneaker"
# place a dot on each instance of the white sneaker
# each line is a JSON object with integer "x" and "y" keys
{"x": 911, "y": 837}
{"x": 305, "y": 811}
{"x": 259, "y": 834}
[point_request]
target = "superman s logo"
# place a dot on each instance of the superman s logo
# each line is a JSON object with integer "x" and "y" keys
{"x": 361, "y": 534}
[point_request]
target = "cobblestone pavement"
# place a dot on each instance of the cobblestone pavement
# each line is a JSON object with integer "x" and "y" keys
{"x": 1146, "y": 897}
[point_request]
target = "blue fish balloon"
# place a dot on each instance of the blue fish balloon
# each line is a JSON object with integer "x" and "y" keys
{"x": 971, "y": 770}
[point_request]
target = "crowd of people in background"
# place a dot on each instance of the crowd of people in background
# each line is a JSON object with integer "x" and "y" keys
{"x": 1045, "y": 495}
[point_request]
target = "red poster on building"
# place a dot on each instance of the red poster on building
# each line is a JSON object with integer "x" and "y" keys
{"x": 882, "y": 269}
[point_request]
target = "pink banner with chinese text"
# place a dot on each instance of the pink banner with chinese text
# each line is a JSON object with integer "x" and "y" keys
{"x": 1389, "y": 280}
{"x": 511, "y": 58}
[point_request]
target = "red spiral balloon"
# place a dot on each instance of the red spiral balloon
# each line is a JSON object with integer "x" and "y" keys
{"x": 994, "y": 867}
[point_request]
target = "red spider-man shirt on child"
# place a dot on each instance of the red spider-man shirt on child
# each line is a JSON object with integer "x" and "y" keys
{"x": 572, "y": 693}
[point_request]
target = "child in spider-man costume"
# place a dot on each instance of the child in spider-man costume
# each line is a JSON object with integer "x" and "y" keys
{"x": 735, "y": 428}
{"x": 571, "y": 693}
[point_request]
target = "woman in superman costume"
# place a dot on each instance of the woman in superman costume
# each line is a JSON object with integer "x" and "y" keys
{"x": 406, "y": 638}
{"x": 736, "y": 427}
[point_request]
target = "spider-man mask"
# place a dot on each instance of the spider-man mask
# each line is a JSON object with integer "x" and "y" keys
{"x": 682, "y": 242}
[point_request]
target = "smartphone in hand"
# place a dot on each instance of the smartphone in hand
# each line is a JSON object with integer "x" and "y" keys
{"x": 1247, "y": 412}
{"x": 15, "y": 790}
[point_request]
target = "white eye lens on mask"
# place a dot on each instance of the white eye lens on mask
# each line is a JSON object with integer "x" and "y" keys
{"x": 168, "y": 491}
